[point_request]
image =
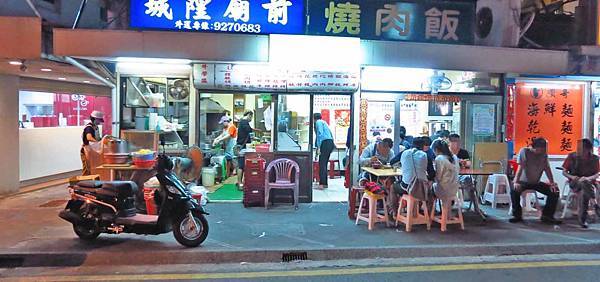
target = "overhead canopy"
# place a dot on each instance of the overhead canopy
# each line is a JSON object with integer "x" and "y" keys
{"x": 20, "y": 38}
{"x": 255, "y": 48}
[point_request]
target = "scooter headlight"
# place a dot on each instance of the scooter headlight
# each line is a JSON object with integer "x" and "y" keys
{"x": 173, "y": 190}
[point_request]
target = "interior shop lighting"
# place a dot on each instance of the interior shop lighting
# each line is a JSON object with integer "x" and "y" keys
{"x": 394, "y": 78}
{"x": 46, "y": 70}
{"x": 315, "y": 53}
{"x": 86, "y": 81}
{"x": 153, "y": 61}
{"x": 15, "y": 63}
{"x": 554, "y": 85}
{"x": 62, "y": 78}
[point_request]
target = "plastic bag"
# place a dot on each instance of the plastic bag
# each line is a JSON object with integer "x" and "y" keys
{"x": 200, "y": 190}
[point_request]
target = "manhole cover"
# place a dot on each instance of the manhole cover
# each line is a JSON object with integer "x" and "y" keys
{"x": 53, "y": 203}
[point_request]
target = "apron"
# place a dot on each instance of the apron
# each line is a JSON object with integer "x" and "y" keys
{"x": 84, "y": 153}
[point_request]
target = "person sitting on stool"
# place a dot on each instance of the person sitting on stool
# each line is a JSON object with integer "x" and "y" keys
{"x": 533, "y": 162}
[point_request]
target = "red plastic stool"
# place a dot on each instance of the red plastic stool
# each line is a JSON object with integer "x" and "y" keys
{"x": 316, "y": 172}
{"x": 332, "y": 168}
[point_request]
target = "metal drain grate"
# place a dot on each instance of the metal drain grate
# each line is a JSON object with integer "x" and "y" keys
{"x": 11, "y": 262}
{"x": 293, "y": 256}
{"x": 53, "y": 203}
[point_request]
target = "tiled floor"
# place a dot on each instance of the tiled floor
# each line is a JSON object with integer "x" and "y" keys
{"x": 336, "y": 192}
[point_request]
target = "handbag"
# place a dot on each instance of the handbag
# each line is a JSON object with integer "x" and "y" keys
{"x": 375, "y": 188}
{"x": 418, "y": 188}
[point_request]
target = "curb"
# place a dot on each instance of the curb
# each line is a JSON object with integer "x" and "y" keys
{"x": 193, "y": 256}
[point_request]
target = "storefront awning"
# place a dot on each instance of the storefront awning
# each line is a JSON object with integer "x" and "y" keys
{"x": 156, "y": 44}
{"x": 21, "y": 38}
{"x": 463, "y": 57}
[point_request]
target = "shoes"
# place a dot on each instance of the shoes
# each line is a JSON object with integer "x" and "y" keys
{"x": 583, "y": 224}
{"x": 515, "y": 219}
{"x": 550, "y": 220}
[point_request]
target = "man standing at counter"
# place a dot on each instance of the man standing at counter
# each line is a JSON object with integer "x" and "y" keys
{"x": 91, "y": 133}
{"x": 243, "y": 137}
{"x": 325, "y": 146}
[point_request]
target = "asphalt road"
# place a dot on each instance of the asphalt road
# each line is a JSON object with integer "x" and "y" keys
{"x": 530, "y": 269}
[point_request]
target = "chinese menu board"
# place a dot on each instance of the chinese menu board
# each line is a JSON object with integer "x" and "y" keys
{"x": 549, "y": 110}
{"x": 236, "y": 16}
{"x": 423, "y": 21}
{"x": 335, "y": 110}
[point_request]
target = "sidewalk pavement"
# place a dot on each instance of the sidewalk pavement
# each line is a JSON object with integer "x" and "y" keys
{"x": 34, "y": 235}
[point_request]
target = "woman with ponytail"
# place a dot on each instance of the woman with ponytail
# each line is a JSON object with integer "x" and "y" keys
{"x": 446, "y": 171}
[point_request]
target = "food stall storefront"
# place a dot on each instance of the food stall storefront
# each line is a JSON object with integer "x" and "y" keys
{"x": 557, "y": 109}
{"x": 426, "y": 101}
{"x": 282, "y": 102}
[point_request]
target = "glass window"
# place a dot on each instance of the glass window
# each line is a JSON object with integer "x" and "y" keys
{"x": 167, "y": 98}
{"x": 293, "y": 123}
{"x": 44, "y": 109}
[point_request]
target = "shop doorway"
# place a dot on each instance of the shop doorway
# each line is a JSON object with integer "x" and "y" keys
{"x": 220, "y": 166}
{"x": 336, "y": 111}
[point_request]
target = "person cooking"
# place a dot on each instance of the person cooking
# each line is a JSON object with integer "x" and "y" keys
{"x": 91, "y": 133}
{"x": 227, "y": 138}
{"x": 244, "y": 136}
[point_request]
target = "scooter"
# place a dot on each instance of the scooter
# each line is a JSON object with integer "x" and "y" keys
{"x": 109, "y": 207}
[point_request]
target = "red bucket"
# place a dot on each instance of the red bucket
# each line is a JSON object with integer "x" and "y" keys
{"x": 149, "y": 199}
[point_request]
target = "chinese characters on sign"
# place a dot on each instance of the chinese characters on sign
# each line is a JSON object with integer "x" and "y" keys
{"x": 265, "y": 78}
{"x": 423, "y": 21}
{"x": 343, "y": 17}
{"x": 552, "y": 111}
{"x": 239, "y": 16}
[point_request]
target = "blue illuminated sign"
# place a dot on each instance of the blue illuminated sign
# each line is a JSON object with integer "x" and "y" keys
{"x": 237, "y": 16}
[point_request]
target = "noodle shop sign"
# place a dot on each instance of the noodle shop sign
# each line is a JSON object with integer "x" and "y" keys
{"x": 549, "y": 110}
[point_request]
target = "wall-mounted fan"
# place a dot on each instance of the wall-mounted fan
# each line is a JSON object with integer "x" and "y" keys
{"x": 178, "y": 90}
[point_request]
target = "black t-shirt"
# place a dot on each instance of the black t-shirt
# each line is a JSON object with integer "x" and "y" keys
{"x": 89, "y": 128}
{"x": 463, "y": 154}
{"x": 244, "y": 131}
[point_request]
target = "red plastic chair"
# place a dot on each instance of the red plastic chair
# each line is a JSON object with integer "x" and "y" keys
{"x": 284, "y": 179}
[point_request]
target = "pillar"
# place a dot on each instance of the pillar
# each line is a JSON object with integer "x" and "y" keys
{"x": 9, "y": 134}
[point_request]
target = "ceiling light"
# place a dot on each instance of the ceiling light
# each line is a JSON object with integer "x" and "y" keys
{"x": 45, "y": 69}
{"x": 86, "y": 81}
{"x": 15, "y": 63}
{"x": 62, "y": 78}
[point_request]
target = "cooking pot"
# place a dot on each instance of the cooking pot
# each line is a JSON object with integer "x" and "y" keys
{"x": 118, "y": 158}
{"x": 116, "y": 146}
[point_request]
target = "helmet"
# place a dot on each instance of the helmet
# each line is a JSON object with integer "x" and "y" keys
{"x": 98, "y": 115}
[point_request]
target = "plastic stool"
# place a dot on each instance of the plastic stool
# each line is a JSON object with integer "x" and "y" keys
{"x": 373, "y": 217}
{"x": 412, "y": 216}
{"x": 444, "y": 218}
{"x": 356, "y": 193}
{"x": 526, "y": 203}
{"x": 316, "y": 177}
{"x": 332, "y": 168}
{"x": 493, "y": 193}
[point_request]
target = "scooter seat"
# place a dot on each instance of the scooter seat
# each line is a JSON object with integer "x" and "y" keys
{"x": 90, "y": 184}
{"x": 121, "y": 187}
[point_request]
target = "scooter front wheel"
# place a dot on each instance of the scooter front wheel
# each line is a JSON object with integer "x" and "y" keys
{"x": 189, "y": 234}
{"x": 86, "y": 232}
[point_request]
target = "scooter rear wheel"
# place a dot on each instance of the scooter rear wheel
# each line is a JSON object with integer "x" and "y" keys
{"x": 182, "y": 227}
{"x": 86, "y": 232}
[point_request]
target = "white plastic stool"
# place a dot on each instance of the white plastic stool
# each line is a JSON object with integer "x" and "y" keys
{"x": 493, "y": 192}
{"x": 526, "y": 200}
